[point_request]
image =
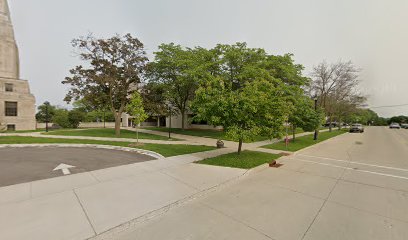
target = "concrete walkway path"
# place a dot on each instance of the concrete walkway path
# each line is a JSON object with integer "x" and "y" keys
{"x": 84, "y": 205}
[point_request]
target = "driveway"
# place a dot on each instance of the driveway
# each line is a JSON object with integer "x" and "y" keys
{"x": 20, "y": 165}
{"x": 353, "y": 187}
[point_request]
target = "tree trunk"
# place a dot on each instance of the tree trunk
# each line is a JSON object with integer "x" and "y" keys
{"x": 240, "y": 146}
{"x": 330, "y": 123}
{"x": 117, "y": 124}
{"x": 182, "y": 120}
{"x": 293, "y": 133}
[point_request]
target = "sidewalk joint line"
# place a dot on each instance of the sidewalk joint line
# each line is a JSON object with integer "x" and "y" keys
{"x": 86, "y": 214}
{"x": 330, "y": 193}
{"x": 237, "y": 220}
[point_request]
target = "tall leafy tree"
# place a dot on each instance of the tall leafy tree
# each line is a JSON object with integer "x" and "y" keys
{"x": 257, "y": 108}
{"x": 154, "y": 99}
{"x": 305, "y": 116}
{"x": 75, "y": 117}
{"x": 247, "y": 91}
{"x": 45, "y": 110}
{"x": 174, "y": 71}
{"x": 113, "y": 68}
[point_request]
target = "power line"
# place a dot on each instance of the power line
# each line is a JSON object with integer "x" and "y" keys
{"x": 390, "y": 106}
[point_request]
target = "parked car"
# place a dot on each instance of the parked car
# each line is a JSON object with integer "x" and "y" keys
{"x": 357, "y": 128}
{"x": 404, "y": 125}
{"x": 395, "y": 125}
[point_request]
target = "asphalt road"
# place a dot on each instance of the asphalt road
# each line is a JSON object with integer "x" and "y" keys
{"x": 20, "y": 165}
{"x": 352, "y": 187}
{"x": 377, "y": 146}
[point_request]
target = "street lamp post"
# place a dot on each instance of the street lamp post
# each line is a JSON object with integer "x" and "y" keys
{"x": 316, "y": 130}
{"x": 46, "y": 116}
{"x": 170, "y": 115}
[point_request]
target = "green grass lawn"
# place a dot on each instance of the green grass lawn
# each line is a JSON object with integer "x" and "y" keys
{"x": 208, "y": 133}
{"x": 163, "y": 149}
{"x": 107, "y": 132}
{"x": 303, "y": 142}
{"x": 246, "y": 160}
{"x": 192, "y": 132}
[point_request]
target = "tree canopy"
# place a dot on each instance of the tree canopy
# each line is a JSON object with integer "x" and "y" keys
{"x": 246, "y": 91}
{"x": 113, "y": 68}
{"x": 304, "y": 115}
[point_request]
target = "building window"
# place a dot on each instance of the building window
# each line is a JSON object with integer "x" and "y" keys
{"x": 11, "y": 127}
{"x": 11, "y": 109}
{"x": 9, "y": 87}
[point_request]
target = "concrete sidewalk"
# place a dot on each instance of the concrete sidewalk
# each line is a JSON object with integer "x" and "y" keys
{"x": 83, "y": 205}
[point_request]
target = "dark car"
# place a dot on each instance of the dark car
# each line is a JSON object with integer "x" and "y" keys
{"x": 395, "y": 125}
{"x": 357, "y": 128}
{"x": 404, "y": 125}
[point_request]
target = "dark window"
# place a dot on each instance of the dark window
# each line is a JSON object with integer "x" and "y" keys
{"x": 9, "y": 87}
{"x": 151, "y": 119}
{"x": 11, "y": 127}
{"x": 11, "y": 109}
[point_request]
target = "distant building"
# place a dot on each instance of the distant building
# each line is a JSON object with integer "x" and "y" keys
{"x": 17, "y": 104}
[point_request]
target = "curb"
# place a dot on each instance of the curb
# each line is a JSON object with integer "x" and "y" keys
{"x": 108, "y": 147}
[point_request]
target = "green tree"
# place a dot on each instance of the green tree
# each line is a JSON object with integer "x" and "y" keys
{"x": 136, "y": 110}
{"x": 61, "y": 118}
{"x": 174, "y": 71}
{"x": 380, "y": 121}
{"x": 257, "y": 108}
{"x": 305, "y": 116}
{"x": 41, "y": 115}
{"x": 112, "y": 71}
{"x": 246, "y": 91}
{"x": 398, "y": 119}
{"x": 363, "y": 116}
{"x": 99, "y": 116}
{"x": 75, "y": 117}
{"x": 154, "y": 99}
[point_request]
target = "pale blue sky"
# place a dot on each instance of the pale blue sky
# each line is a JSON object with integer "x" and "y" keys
{"x": 371, "y": 33}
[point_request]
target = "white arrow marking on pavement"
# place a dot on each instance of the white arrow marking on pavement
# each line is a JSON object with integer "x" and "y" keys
{"x": 64, "y": 167}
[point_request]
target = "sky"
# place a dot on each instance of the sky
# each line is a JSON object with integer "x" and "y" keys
{"x": 371, "y": 33}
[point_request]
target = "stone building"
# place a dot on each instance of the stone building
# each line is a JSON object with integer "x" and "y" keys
{"x": 17, "y": 104}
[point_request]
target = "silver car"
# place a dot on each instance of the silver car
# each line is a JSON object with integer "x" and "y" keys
{"x": 357, "y": 128}
{"x": 395, "y": 125}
